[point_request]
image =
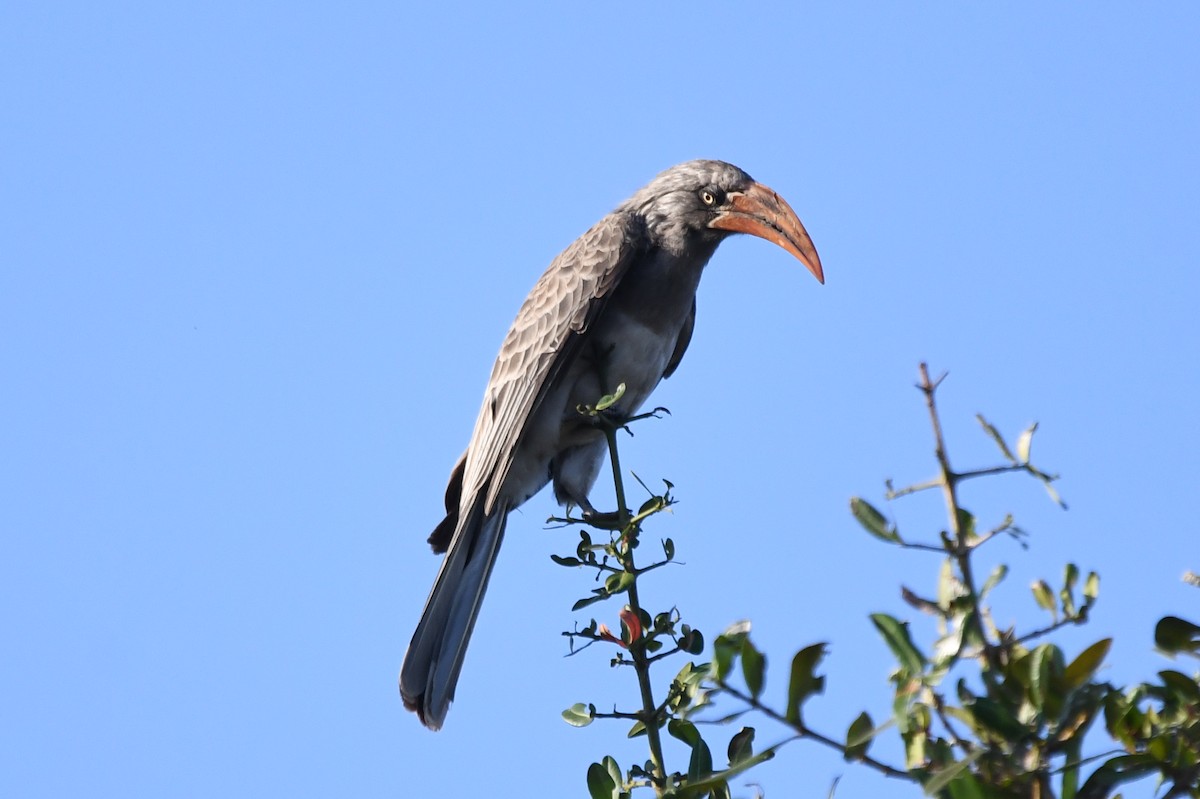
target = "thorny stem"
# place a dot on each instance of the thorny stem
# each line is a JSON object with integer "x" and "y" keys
{"x": 637, "y": 652}
{"x": 962, "y": 548}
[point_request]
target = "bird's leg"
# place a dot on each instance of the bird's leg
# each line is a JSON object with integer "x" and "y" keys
{"x": 598, "y": 356}
{"x": 574, "y": 471}
{"x": 608, "y": 416}
{"x": 606, "y": 413}
{"x": 575, "y": 495}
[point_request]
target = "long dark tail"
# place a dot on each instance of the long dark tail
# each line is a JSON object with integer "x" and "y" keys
{"x": 435, "y": 655}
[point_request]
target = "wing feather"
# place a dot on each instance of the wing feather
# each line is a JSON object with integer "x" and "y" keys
{"x": 681, "y": 343}
{"x": 542, "y": 341}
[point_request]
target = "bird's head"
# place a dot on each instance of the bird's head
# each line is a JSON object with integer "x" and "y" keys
{"x": 699, "y": 203}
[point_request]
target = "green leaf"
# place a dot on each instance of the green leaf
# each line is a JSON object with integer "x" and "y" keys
{"x": 619, "y": 583}
{"x": 966, "y": 524}
{"x": 859, "y": 736}
{"x": 873, "y": 521}
{"x": 1115, "y": 771}
{"x": 1091, "y": 588}
{"x": 684, "y": 730}
{"x": 754, "y": 666}
{"x": 578, "y": 715}
{"x": 712, "y": 782}
{"x": 693, "y": 642}
{"x": 1052, "y": 491}
{"x": 687, "y": 684}
{"x": 638, "y": 728}
{"x": 950, "y": 587}
{"x": 897, "y": 637}
{"x": 967, "y": 786}
{"x": 1044, "y": 596}
{"x": 600, "y": 783}
{"x": 726, "y": 648}
{"x": 1073, "y": 752}
{"x": 1124, "y": 719}
{"x": 613, "y": 768}
{"x": 1024, "y": 442}
{"x": 741, "y": 746}
{"x": 600, "y": 596}
{"x": 993, "y": 580}
{"x": 668, "y": 549}
{"x": 1085, "y": 665}
{"x": 804, "y": 681}
{"x": 995, "y": 434}
{"x": 1070, "y": 576}
{"x": 652, "y": 505}
{"x": 1158, "y": 748}
{"x": 1185, "y": 687}
{"x": 1173, "y": 634}
{"x": 561, "y": 561}
{"x": 1068, "y": 603}
{"x": 1045, "y": 671}
{"x": 609, "y": 400}
{"x": 700, "y": 763}
{"x": 914, "y": 748}
{"x": 956, "y": 774}
{"x": 997, "y": 718}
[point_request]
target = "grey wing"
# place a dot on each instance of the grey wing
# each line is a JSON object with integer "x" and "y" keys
{"x": 542, "y": 341}
{"x": 681, "y": 343}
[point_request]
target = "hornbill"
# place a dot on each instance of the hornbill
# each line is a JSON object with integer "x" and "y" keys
{"x": 616, "y": 306}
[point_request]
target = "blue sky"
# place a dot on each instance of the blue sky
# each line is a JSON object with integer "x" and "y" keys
{"x": 258, "y": 259}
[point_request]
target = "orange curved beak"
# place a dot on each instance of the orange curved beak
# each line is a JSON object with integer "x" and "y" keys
{"x": 761, "y": 212}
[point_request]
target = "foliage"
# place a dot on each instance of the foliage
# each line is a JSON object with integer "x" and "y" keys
{"x": 982, "y": 712}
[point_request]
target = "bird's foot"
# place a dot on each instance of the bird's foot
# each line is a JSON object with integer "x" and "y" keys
{"x": 605, "y": 412}
{"x": 604, "y": 520}
{"x": 654, "y": 414}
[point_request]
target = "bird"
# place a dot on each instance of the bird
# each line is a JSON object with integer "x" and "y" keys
{"x": 617, "y": 306}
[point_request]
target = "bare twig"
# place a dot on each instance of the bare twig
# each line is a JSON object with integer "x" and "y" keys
{"x": 962, "y": 549}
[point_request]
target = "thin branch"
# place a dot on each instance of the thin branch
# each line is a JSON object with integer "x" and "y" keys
{"x": 896, "y": 493}
{"x": 937, "y": 482}
{"x": 665, "y": 653}
{"x": 637, "y": 651}
{"x": 617, "y": 714}
{"x": 1063, "y": 622}
{"x": 988, "y": 536}
{"x": 1085, "y": 760}
{"x": 939, "y": 706}
{"x": 805, "y": 732}
{"x": 962, "y": 550}
{"x": 1012, "y": 467}
{"x": 922, "y": 547}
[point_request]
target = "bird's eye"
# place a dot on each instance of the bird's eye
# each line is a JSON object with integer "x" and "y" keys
{"x": 708, "y": 197}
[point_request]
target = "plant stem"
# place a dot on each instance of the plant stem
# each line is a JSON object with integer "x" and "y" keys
{"x": 804, "y": 732}
{"x": 962, "y": 548}
{"x": 637, "y": 652}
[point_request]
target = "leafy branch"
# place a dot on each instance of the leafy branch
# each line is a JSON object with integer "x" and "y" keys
{"x": 981, "y": 711}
